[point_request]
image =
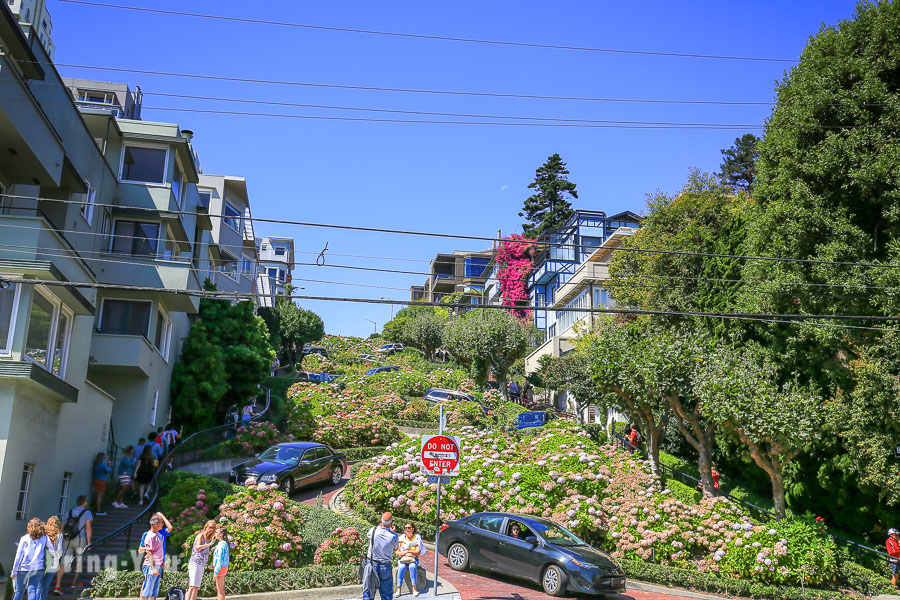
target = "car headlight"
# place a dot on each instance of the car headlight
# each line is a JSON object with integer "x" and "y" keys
{"x": 584, "y": 565}
{"x": 269, "y": 478}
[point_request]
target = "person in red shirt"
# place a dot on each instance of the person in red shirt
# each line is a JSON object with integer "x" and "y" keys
{"x": 634, "y": 437}
{"x": 715, "y": 478}
{"x": 893, "y": 549}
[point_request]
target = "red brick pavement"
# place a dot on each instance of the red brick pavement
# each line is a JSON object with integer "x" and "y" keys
{"x": 479, "y": 586}
{"x": 308, "y": 495}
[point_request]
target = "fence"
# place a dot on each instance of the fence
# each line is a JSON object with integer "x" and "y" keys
{"x": 865, "y": 555}
{"x": 183, "y": 453}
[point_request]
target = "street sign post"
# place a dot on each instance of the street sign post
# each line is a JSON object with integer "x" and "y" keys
{"x": 441, "y": 457}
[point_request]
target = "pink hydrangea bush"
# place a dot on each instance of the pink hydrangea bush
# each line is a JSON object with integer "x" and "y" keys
{"x": 255, "y": 436}
{"x": 357, "y": 429}
{"x": 263, "y": 528}
{"x": 343, "y": 546}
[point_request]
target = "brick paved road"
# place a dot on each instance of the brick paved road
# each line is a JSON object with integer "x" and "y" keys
{"x": 479, "y": 586}
{"x": 308, "y": 495}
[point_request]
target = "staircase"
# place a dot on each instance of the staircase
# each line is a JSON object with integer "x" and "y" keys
{"x": 103, "y": 526}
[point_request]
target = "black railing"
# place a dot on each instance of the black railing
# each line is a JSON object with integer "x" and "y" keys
{"x": 866, "y": 555}
{"x": 179, "y": 456}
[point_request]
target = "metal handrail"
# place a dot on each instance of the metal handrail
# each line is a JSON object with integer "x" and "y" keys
{"x": 154, "y": 482}
{"x": 679, "y": 475}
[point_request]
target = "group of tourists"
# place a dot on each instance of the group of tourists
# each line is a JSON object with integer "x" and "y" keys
{"x": 384, "y": 545}
{"x": 212, "y": 538}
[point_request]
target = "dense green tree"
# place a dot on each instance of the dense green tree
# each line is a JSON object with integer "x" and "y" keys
{"x": 549, "y": 206}
{"x": 426, "y": 332}
{"x": 704, "y": 218}
{"x": 393, "y": 330}
{"x": 738, "y": 168}
{"x": 777, "y": 422}
{"x": 223, "y": 360}
{"x": 291, "y": 327}
{"x": 489, "y": 340}
{"x": 573, "y": 374}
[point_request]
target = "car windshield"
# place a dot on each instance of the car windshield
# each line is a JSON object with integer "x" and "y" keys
{"x": 281, "y": 454}
{"x": 555, "y": 534}
{"x": 530, "y": 418}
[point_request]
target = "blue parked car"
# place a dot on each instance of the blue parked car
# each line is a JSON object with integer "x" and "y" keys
{"x": 382, "y": 370}
{"x": 319, "y": 377}
{"x": 533, "y": 419}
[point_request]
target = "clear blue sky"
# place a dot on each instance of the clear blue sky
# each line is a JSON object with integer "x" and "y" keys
{"x": 445, "y": 178}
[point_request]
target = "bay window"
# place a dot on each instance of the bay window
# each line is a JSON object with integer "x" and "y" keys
{"x": 143, "y": 164}
{"x": 177, "y": 185}
{"x": 135, "y": 238}
{"x": 48, "y": 334}
{"x": 9, "y": 303}
{"x": 232, "y": 216}
{"x": 125, "y": 317}
{"x": 163, "y": 335}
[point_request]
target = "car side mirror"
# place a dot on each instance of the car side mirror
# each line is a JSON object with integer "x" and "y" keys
{"x": 533, "y": 541}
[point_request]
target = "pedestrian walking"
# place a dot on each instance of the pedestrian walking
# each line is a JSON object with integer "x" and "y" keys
{"x": 53, "y": 566}
{"x": 143, "y": 472}
{"x": 78, "y": 531}
{"x": 221, "y": 560}
{"x": 203, "y": 541}
{"x": 893, "y": 550}
{"x": 28, "y": 566}
{"x": 102, "y": 469}
{"x": 232, "y": 417}
{"x": 409, "y": 551}
{"x": 127, "y": 465}
{"x": 139, "y": 447}
{"x": 378, "y": 572}
{"x": 153, "y": 558}
{"x": 634, "y": 438}
{"x": 247, "y": 413}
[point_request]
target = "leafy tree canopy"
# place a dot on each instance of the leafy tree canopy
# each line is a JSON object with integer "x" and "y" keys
{"x": 425, "y": 331}
{"x": 393, "y": 330}
{"x": 549, "y": 206}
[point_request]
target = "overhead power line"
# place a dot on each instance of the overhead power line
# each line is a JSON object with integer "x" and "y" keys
{"x": 429, "y": 37}
{"x": 541, "y": 244}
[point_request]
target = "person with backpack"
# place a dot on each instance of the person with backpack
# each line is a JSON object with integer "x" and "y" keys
{"x": 53, "y": 566}
{"x": 126, "y": 469}
{"x": 221, "y": 560}
{"x": 77, "y": 532}
{"x": 143, "y": 472}
{"x": 893, "y": 549}
{"x": 232, "y": 417}
{"x": 634, "y": 438}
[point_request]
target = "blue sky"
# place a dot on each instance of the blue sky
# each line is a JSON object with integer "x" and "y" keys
{"x": 444, "y": 178}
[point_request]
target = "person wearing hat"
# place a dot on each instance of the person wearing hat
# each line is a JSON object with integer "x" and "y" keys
{"x": 893, "y": 549}
{"x": 379, "y": 572}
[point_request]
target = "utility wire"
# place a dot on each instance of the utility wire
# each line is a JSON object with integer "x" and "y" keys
{"x": 428, "y": 37}
{"x": 537, "y": 243}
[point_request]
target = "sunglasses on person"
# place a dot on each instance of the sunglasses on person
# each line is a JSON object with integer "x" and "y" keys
{"x": 408, "y": 527}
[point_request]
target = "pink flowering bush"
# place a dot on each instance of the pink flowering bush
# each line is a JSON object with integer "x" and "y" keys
{"x": 317, "y": 364}
{"x": 343, "y": 546}
{"x": 514, "y": 260}
{"x": 603, "y": 495}
{"x": 263, "y": 528}
{"x": 254, "y": 437}
{"x": 356, "y": 429}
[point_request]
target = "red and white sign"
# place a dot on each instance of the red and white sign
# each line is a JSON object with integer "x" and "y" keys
{"x": 440, "y": 454}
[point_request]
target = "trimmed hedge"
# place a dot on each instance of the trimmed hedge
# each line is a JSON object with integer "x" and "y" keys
{"x": 357, "y": 454}
{"x": 420, "y": 424}
{"x": 597, "y": 432}
{"x": 319, "y": 523}
{"x": 862, "y": 579}
{"x": 684, "y": 493}
{"x": 705, "y": 582}
{"x": 127, "y": 584}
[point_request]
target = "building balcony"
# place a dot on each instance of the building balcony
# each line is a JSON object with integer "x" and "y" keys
{"x": 588, "y": 273}
{"x": 30, "y": 374}
{"x": 156, "y": 273}
{"x": 129, "y": 354}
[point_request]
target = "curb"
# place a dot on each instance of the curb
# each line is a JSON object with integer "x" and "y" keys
{"x": 658, "y": 589}
{"x": 330, "y": 593}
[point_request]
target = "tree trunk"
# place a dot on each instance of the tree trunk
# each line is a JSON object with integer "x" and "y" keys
{"x": 773, "y": 466}
{"x": 653, "y": 440}
{"x": 777, "y": 477}
{"x": 579, "y": 412}
{"x": 700, "y": 437}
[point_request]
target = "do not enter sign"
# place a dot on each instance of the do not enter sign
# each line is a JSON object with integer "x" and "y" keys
{"x": 440, "y": 454}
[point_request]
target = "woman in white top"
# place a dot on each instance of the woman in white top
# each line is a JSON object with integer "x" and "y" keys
{"x": 204, "y": 540}
{"x": 409, "y": 551}
{"x": 53, "y": 559}
{"x": 28, "y": 566}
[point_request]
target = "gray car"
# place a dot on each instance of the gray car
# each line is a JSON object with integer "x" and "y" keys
{"x": 531, "y": 548}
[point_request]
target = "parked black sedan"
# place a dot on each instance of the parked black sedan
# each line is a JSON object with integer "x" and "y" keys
{"x": 530, "y": 548}
{"x": 293, "y": 465}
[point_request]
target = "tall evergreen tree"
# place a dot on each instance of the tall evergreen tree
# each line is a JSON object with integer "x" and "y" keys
{"x": 739, "y": 163}
{"x": 549, "y": 206}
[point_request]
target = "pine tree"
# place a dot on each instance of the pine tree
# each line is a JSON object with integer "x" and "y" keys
{"x": 739, "y": 163}
{"x": 549, "y": 206}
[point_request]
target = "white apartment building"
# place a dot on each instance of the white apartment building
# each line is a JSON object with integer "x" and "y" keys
{"x": 276, "y": 264}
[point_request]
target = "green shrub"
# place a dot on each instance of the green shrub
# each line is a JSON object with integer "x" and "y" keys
{"x": 679, "y": 464}
{"x": 343, "y": 546}
{"x": 319, "y": 523}
{"x": 684, "y": 493}
{"x": 357, "y": 454}
{"x": 597, "y": 432}
{"x": 127, "y": 584}
{"x": 705, "y": 582}
{"x": 860, "y": 578}
{"x": 189, "y": 504}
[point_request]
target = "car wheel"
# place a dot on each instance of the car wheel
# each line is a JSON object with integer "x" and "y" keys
{"x": 287, "y": 485}
{"x": 337, "y": 474}
{"x": 554, "y": 581}
{"x": 458, "y": 557}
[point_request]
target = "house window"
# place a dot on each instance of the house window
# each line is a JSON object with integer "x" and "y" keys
{"x": 163, "y": 334}
{"x": 87, "y": 209}
{"x": 280, "y": 251}
{"x": 232, "y": 216}
{"x": 125, "y": 317}
{"x": 177, "y": 184}
{"x": 144, "y": 165}
{"x": 282, "y": 276}
{"x": 40, "y": 325}
{"x": 475, "y": 266}
{"x": 24, "y": 492}
{"x": 135, "y": 238}
{"x": 272, "y": 274}
{"x": 9, "y": 303}
{"x": 105, "y": 226}
{"x": 205, "y": 197}
{"x": 155, "y": 406}
{"x": 64, "y": 493}
{"x": 96, "y": 96}
{"x": 246, "y": 265}
{"x": 61, "y": 346}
